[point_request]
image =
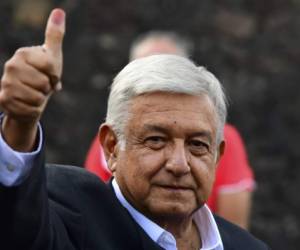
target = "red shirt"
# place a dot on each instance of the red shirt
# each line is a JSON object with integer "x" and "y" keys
{"x": 233, "y": 172}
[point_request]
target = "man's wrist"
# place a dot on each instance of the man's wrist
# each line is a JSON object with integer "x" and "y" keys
{"x": 20, "y": 136}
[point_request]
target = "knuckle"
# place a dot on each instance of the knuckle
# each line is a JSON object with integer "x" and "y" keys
{"x": 45, "y": 85}
{"x": 2, "y": 83}
{"x": 6, "y": 86}
{"x": 39, "y": 99}
{"x": 21, "y": 52}
{"x": 10, "y": 65}
{"x": 36, "y": 112}
{"x": 5, "y": 103}
{"x": 56, "y": 35}
{"x": 2, "y": 98}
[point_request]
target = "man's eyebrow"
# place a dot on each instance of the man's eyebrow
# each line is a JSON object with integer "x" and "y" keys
{"x": 156, "y": 128}
{"x": 203, "y": 134}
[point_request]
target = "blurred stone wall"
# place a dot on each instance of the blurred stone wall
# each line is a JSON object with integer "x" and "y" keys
{"x": 251, "y": 45}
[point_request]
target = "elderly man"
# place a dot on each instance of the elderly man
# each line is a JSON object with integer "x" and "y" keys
{"x": 231, "y": 194}
{"x": 162, "y": 139}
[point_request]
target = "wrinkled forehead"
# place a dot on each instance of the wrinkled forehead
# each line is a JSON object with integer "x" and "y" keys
{"x": 167, "y": 106}
{"x": 159, "y": 99}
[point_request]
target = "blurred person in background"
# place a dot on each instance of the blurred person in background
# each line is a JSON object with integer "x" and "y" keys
{"x": 231, "y": 195}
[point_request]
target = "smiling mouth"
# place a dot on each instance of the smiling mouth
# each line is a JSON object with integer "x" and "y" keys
{"x": 174, "y": 188}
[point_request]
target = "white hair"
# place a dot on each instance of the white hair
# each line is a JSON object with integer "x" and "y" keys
{"x": 164, "y": 73}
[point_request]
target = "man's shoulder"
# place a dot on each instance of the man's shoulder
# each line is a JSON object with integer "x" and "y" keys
{"x": 67, "y": 173}
{"x": 234, "y": 237}
{"x": 72, "y": 181}
{"x": 68, "y": 170}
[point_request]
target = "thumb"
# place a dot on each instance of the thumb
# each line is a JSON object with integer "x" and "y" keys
{"x": 55, "y": 31}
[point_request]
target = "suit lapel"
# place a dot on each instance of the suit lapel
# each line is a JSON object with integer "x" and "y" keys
{"x": 225, "y": 236}
{"x": 225, "y": 239}
{"x": 146, "y": 242}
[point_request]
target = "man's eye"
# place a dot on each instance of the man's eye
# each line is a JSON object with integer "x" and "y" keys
{"x": 155, "y": 142}
{"x": 198, "y": 147}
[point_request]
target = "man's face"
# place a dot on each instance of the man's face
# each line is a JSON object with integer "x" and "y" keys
{"x": 167, "y": 167}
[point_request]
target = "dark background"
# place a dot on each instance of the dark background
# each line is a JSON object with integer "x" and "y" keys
{"x": 252, "y": 46}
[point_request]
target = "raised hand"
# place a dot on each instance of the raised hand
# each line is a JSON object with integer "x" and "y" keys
{"x": 30, "y": 77}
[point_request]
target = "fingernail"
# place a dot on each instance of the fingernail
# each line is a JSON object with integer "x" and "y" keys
{"x": 58, "y": 16}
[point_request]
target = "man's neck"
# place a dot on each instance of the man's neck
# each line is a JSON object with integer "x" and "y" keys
{"x": 185, "y": 232}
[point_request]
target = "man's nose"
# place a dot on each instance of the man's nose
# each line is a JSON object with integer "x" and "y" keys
{"x": 177, "y": 160}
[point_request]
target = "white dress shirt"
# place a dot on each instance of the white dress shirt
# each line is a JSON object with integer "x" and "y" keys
{"x": 16, "y": 166}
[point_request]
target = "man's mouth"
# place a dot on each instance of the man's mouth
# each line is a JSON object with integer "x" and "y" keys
{"x": 175, "y": 187}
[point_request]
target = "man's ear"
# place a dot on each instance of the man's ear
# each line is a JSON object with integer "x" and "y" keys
{"x": 109, "y": 142}
{"x": 221, "y": 150}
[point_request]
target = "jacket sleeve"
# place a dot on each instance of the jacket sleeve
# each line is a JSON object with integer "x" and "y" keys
{"x": 24, "y": 211}
{"x": 31, "y": 220}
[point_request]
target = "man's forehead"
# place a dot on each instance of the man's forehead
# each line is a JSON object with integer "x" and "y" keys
{"x": 169, "y": 109}
{"x": 164, "y": 99}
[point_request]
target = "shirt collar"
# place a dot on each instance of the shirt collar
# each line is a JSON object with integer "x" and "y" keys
{"x": 210, "y": 235}
{"x": 151, "y": 228}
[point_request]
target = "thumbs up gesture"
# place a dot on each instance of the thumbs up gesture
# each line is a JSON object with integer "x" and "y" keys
{"x": 29, "y": 78}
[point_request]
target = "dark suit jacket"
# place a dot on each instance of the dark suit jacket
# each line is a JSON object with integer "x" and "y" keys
{"x": 73, "y": 209}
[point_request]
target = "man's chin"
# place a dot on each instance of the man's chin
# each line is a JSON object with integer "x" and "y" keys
{"x": 172, "y": 211}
